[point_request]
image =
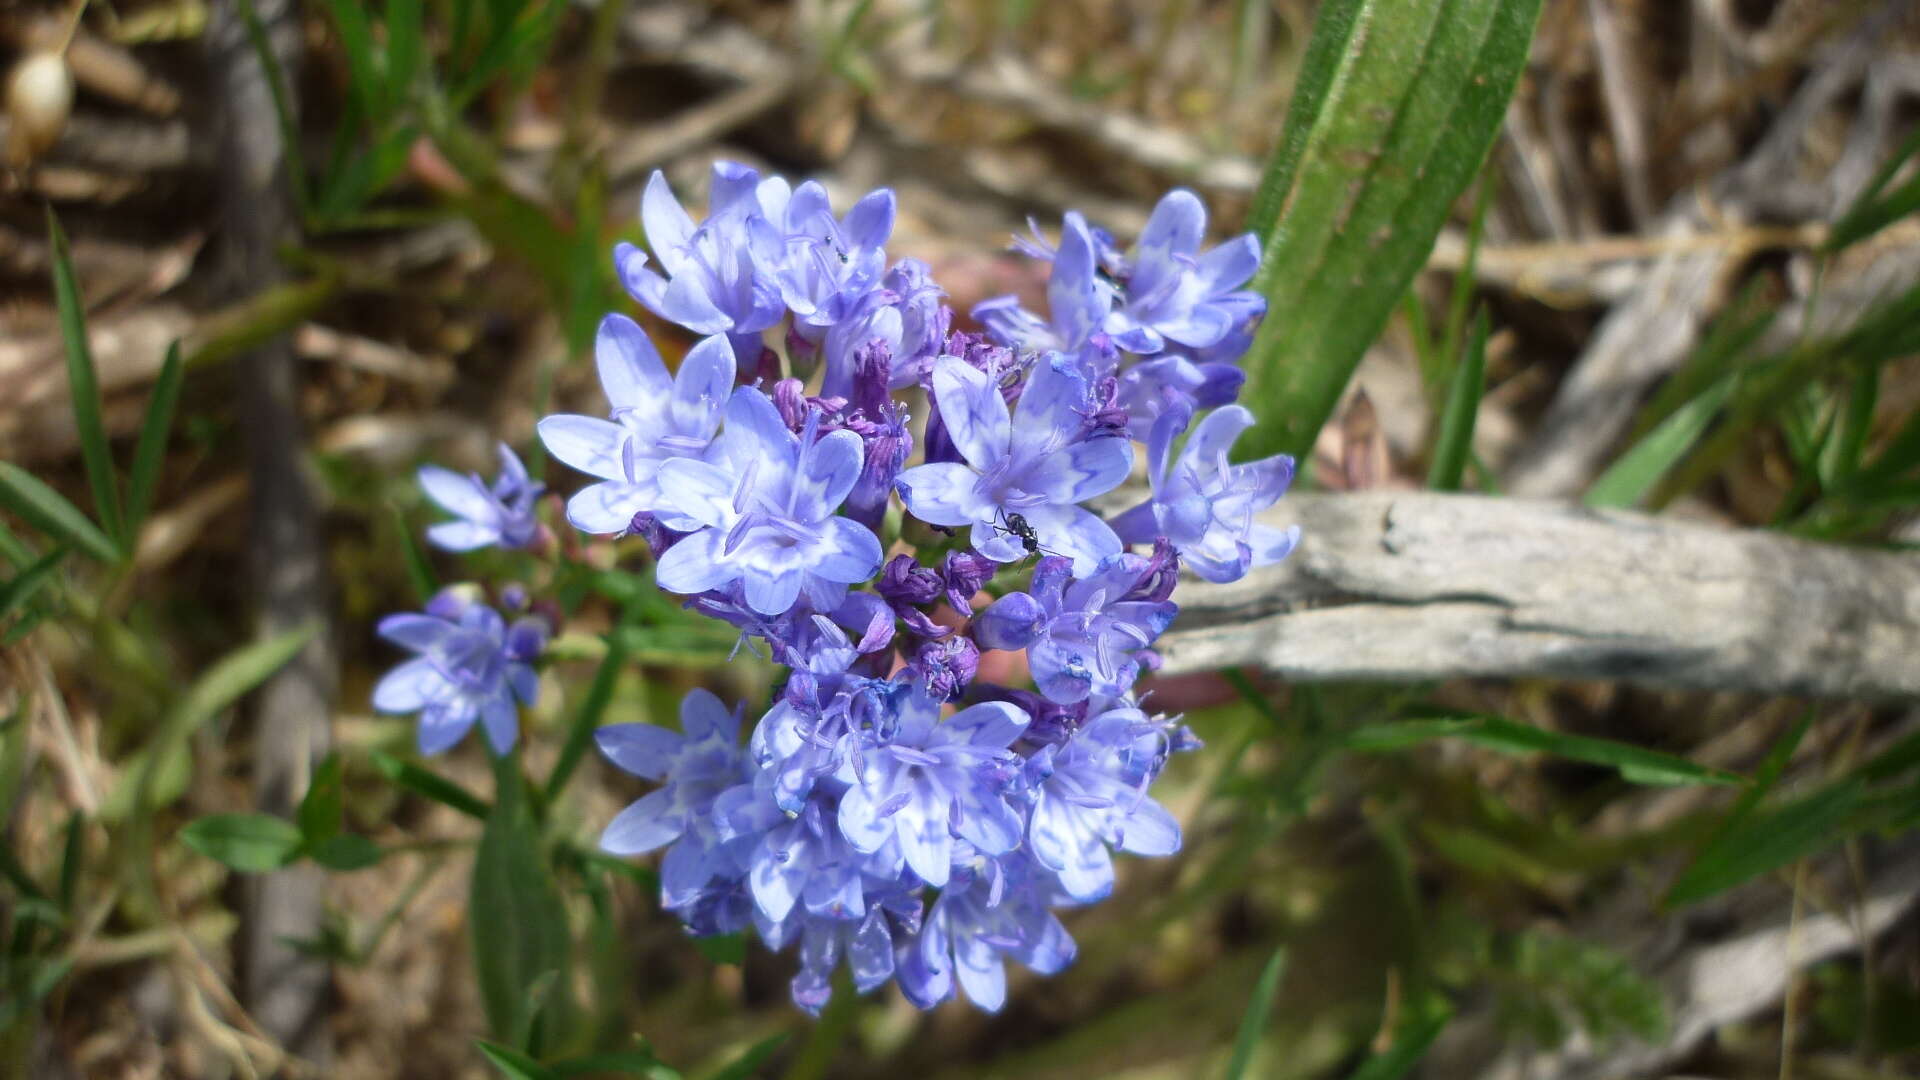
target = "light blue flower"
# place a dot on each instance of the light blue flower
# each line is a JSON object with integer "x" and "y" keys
{"x": 764, "y": 511}
{"x": 470, "y": 666}
{"x": 655, "y": 417}
{"x": 1083, "y": 637}
{"x": 695, "y": 764}
{"x": 931, "y": 781}
{"x": 723, "y": 275}
{"x": 1079, "y": 296}
{"x": 1174, "y": 292}
{"x": 1038, "y": 460}
{"x": 1204, "y": 505}
{"x": 500, "y": 515}
{"x": 1090, "y": 795}
{"x": 993, "y": 909}
{"x": 831, "y": 263}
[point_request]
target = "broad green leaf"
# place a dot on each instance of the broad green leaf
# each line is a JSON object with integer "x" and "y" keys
{"x": 150, "y": 453}
{"x": 1410, "y": 1042}
{"x": 512, "y": 1063}
{"x": 249, "y": 843}
{"x": 430, "y": 785}
{"x": 20, "y": 588}
{"x": 83, "y": 381}
{"x": 344, "y": 852}
{"x": 742, "y": 1067}
{"x": 1396, "y": 106}
{"x": 519, "y": 927}
{"x": 1450, "y": 451}
{"x": 1629, "y": 479}
{"x": 43, "y": 508}
{"x": 1635, "y": 764}
{"x": 1254, "y": 1021}
{"x": 320, "y": 812}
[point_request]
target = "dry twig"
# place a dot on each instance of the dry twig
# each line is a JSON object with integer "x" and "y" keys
{"x": 1413, "y": 587}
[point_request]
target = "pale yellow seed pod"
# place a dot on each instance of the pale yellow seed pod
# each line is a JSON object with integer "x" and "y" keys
{"x": 39, "y": 99}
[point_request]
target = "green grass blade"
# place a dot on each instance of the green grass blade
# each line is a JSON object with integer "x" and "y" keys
{"x": 587, "y": 720}
{"x": 1634, "y": 763}
{"x": 419, "y": 570}
{"x": 1876, "y": 209}
{"x": 1842, "y": 457}
{"x": 1259, "y": 1008}
{"x": 83, "y": 380}
{"x": 511, "y": 1063}
{"x": 20, "y": 588}
{"x": 72, "y": 855}
{"x": 1629, "y": 479}
{"x": 1463, "y": 408}
{"x": 431, "y": 785}
{"x": 43, "y": 508}
{"x": 1772, "y": 839}
{"x": 1462, "y": 294}
{"x": 1393, "y": 115}
{"x": 151, "y": 451}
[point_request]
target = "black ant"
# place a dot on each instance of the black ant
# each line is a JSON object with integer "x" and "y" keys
{"x": 1016, "y": 526}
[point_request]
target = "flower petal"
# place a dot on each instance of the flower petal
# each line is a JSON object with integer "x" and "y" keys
{"x": 974, "y": 412}
{"x": 860, "y": 821}
{"x": 1149, "y": 830}
{"x": 701, "y": 386}
{"x": 1075, "y": 533}
{"x": 981, "y": 973}
{"x": 461, "y": 535}
{"x": 645, "y": 750}
{"x": 921, "y": 826}
{"x": 409, "y": 687}
{"x": 631, "y": 371}
{"x": 695, "y": 565}
{"x": 649, "y": 823}
{"x": 668, "y": 227}
{"x": 829, "y": 469}
{"x": 853, "y": 552}
{"x": 941, "y": 493}
{"x": 457, "y": 494}
{"x": 590, "y": 445}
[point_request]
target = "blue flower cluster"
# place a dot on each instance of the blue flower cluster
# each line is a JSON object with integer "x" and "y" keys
{"x": 892, "y": 807}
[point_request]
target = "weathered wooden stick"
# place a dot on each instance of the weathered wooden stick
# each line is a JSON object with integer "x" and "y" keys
{"x": 282, "y": 988}
{"x": 1411, "y": 587}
